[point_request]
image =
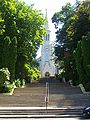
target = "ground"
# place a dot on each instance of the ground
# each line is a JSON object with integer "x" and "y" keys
{"x": 33, "y": 95}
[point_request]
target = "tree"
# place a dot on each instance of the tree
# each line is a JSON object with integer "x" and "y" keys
{"x": 79, "y": 24}
{"x": 13, "y": 58}
{"x": 79, "y": 64}
{"x": 69, "y": 36}
{"x": 9, "y": 55}
{"x": 86, "y": 54}
{"x": 79, "y": 27}
{"x": 1, "y": 25}
{"x": 27, "y": 25}
{"x": 61, "y": 21}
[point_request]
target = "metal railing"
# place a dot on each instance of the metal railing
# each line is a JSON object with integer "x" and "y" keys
{"x": 47, "y": 95}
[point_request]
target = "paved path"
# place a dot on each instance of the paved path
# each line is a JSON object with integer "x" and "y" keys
{"x": 61, "y": 94}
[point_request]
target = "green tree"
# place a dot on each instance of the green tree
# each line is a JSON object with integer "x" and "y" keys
{"x": 79, "y": 64}
{"x": 79, "y": 24}
{"x": 79, "y": 27}
{"x": 9, "y": 55}
{"x": 1, "y": 25}
{"x": 27, "y": 25}
{"x": 68, "y": 35}
{"x": 86, "y": 56}
{"x": 13, "y": 58}
{"x": 61, "y": 21}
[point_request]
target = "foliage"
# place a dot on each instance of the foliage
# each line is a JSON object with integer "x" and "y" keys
{"x": 17, "y": 83}
{"x": 82, "y": 54}
{"x": 58, "y": 77}
{"x": 6, "y": 87}
{"x": 13, "y": 57}
{"x": 79, "y": 24}
{"x": 70, "y": 29}
{"x": 31, "y": 73}
{"x": 36, "y": 74}
{"x": 9, "y": 55}
{"x": 87, "y": 86}
{"x": 79, "y": 63}
{"x": 86, "y": 54}
{"x": 21, "y": 32}
{"x": 61, "y": 21}
{"x": 62, "y": 16}
{"x": 23, "y": 82}
{"x": 5, "y": 52}
{"x": 1, "y": 25}
{"x": 4, "y": 75}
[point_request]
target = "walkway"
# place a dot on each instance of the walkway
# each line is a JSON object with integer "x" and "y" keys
{"x": 60, "y": 95}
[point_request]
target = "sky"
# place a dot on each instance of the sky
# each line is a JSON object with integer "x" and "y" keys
{"x": 52, "y": 6}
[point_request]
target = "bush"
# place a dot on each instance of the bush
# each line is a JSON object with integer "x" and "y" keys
{"x": 6, "y": 87}
{"x": 4, "y": 75}
{"x": 18, "y": 83}
{"x": 58, "y": 77}
{"x": 75, "y": 82}
{"x": 87, "y": 87}
{"x": 23, "y": 82}
{"x": 31, "y": 73}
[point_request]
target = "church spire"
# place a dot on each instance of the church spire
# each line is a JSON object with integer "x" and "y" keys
{"x": 46, "y": 16}
{"x": 46, "y": 13}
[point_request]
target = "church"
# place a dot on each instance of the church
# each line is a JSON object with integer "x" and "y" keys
{"x": 46, "y": 60}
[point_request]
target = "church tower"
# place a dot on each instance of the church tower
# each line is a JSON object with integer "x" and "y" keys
{"x": 47, "y": 66}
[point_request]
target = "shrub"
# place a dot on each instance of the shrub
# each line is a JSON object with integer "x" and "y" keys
{"x": 18, "y": 83}
{"x": 87, "y": 86}
{"x": 4, "y": 75}
{"x": 23, "y": 82}
{"x": 6, "y": 87}
{"x": 58, "y": 77}
{"x": 31, "y": 73}
{"x": 75, "y": 82}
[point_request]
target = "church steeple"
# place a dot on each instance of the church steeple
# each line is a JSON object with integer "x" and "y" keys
{"x": 46, "y": 16}
{"x": 47, "y": 37}
{"x": 46, "y": 62}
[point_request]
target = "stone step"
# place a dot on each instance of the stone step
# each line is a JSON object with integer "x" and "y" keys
{"x": 33, "y": 95}
{"x": 27, "y": 112}
{"x": 50, "y": 80}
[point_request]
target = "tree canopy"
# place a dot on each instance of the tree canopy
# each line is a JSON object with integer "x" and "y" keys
{"x": 72, "y": 24}
{"x": 27, "y": 25}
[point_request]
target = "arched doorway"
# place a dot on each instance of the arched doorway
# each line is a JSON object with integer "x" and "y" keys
{"x": 47, "y": 74}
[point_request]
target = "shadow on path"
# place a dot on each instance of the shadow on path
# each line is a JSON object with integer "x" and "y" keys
{"x": 33, "y": 95}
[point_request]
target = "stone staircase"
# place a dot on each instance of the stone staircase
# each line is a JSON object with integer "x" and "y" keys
{"x": 64, "y": 100}
{"x": 33, "y": 95}
{"x": 64, "y": 95}
{"x": 39, "y": 112}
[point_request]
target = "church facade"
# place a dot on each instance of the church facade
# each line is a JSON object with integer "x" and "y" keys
{"x": 46, "y": 61}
